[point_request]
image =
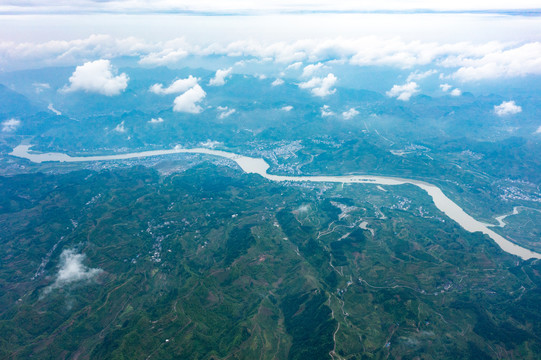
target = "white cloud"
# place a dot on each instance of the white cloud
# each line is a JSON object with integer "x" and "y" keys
{"x": 210, "y": 144}
{"x": 287, "y": 108}
{"x": 507, "y": 108}
{"x": 164, "y": 57}
{"x": 164, "y": 53}
{"x": 416, "y": 75}
{"x": 187, "y": 102}
{"x": 403, "y": 92}
{"x": 41, "y": 86}
{"x": 225, "y": 112}
{"x": 311, "y": 69}
{"x": 177, "y": 87}
{"x": 466, "y": 61}
{"x": 51, "y": 107}
{"x": 501, "y": 63}
{"x": 326, "y": 111}
{"x": 456, "y": 92}
{"x": 320, "y": 86}
{"x": 120, "y": 128}
{"x": 10, "y": 125}
{"x": 445, "y": 87}
{"x": 277, "y": 82}
{"x": 295, "y": 66}
{"x": 156, "y": 120}
{"x": 97, "y": 77}
{"x": 72, "y": 52}
{"x": 538, "y": 131}
{"x": 350, "y": 114}
{"x": 72, "y": 270}
{"x": 219, "y": 78}
{"x": 397, "y": 53}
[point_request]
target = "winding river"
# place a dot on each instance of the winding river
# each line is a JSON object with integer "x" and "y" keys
{"x": 260, "y": 167}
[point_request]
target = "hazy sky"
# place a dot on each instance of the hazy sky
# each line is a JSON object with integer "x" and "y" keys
{"x": 250, "y": 6}
{"x": 37, "y": 33}
{"x": 270, "y": 20}
{"x": 155, "y": 27}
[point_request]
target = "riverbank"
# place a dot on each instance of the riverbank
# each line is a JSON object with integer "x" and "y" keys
{"x": 260, "y": 167}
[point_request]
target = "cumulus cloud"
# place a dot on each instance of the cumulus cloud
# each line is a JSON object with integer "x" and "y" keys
{"x": 225, "y": 112}
{"x": 326, "y": 111}
{"x": 97, "y": 77}
{"x": 163, "y": 57}
{"x": 59, "y": 52}
{"x": 177, "y": 87}
{"x": 191, "y": 94}
{"x": 417, "y": 75}
{"x": 311, "y": 69}
{"x": 220, "y": 76}
{"x": 51, "y": 107}
{"x": 295, "y": 66}
{"x": 287, "y": 108}
{"x": 156, "y": 120}
{"x": 468, "y": 61}
{"x": 456, "y": 92}
{"x": 120, "y": 128}
{"x": 188, "y": 102}
{"x": 350, "y": 114}
{"x": 72, "y": 270}
{"x": 507, "y": 108}
{"x": 445, "y": 87}
{"x": 538, "y": 131}
{"x": 320, "y": 86}
{"x": 164, "y": 53}
{"x": 403, "y": 92}
{"x": 210, "y": 144}
{"x": 39, "y": 87}
{"x": 514, "y": 62}
{"x": 10, "y": 125}
{"x": 277, "y": 82}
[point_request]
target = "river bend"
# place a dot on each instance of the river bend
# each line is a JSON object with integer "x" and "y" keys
{"x": 260, "y": 167}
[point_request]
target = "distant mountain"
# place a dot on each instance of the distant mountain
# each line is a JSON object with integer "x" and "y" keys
{"x": 13, "y": 104}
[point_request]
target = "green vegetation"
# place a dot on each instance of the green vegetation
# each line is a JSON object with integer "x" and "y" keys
{"x": 308, "y": 321}
{"x": 211, "y": 263}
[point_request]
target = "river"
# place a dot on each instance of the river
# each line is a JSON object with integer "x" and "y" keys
{"x": 260, "y": 167}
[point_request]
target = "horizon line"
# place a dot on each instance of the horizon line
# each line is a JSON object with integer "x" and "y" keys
{"x": 535, "y": 12}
